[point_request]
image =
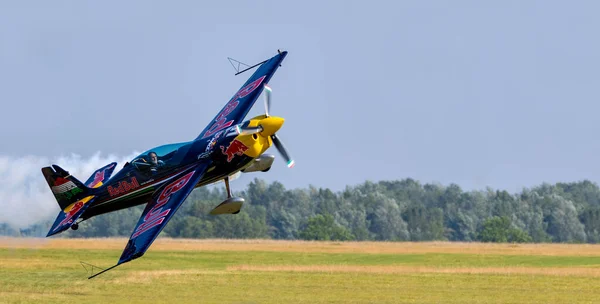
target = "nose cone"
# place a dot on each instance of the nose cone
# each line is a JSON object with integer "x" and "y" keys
{"x": 271, "y": 125}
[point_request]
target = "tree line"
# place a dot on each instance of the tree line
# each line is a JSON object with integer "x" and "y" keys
{"x": 402, "y": 210}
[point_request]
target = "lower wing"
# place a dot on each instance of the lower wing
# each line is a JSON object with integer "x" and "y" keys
{"x": 164, "y": 203}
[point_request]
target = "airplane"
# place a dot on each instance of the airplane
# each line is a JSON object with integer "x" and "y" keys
{"x": 163, "y": 177}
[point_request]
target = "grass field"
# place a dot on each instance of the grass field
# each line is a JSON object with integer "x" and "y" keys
{"x": 264, "y": 271}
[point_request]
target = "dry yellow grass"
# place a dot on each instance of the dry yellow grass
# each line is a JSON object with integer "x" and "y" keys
{"x": 558, "y": 271}
{"x": 167, "y": 244}
{"x": 267, "y": 271}
{"x": 147, "y": 276}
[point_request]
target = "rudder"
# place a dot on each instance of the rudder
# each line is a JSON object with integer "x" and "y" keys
{"x": 65, "y": 188}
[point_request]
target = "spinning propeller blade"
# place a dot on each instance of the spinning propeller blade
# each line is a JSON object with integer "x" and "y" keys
{"x": 267, "y": 91}
{"x": 279, "y": 145}
{"x": 276, "y": 141}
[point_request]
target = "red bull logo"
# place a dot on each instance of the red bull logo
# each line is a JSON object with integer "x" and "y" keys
{"x": 98, "y": 177}
{"x": 123, "y": 187}
{"x": 236, "y": 147}
{"x": 69, "y": 219}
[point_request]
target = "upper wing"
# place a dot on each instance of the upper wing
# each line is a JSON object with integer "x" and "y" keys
{"x": 241, "y": 103}
{"x": 163, "y": 204}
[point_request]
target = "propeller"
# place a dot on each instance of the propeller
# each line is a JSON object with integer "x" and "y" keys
{"x": 268, "y": 92}
{"x": 279, "y": 145}
{"x": 271, "y": 124}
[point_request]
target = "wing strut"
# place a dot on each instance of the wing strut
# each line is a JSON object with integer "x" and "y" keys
{"x": 239, "y": 64}
{"x": 234, "y": 62}
{"x": 103, "y": 271}
{"x": 246, "y": 69}
{"x": 242, "y": 101}
{"x": 90, "y": 269}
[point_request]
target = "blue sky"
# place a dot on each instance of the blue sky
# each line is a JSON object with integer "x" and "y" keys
{"x": 479, "y": 93}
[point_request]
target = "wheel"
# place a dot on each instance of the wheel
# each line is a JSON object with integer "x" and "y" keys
{"x": 75, "y": 226}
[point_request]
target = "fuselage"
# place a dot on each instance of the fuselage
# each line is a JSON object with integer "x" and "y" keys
{"x": 135, "y": 183}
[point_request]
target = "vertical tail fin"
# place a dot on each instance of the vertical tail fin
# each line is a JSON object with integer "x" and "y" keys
{"x": 65, "y": 188}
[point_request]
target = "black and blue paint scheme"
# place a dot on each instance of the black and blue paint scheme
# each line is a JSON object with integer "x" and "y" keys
{"x": 164, "y": 176}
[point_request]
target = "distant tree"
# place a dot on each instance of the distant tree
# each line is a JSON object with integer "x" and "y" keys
{"x": 190, "y": 227}
{"x": 353, "y": 217}
{"x": 498, "y": 230}
{"x": 6, "y": 229}
{"x": 590, "y": 218}
{"x": 534, "y": 223}
{"x": 323, "y": 228}
{"x": 424, "y": 224}
{"x": 385, "y": 219}
{"x": 396, "y": 210}
{"x": 563, "y": 223}
{"x": 583, "y": 194}
{"x": 495, "y": 230}
{"x": 516, "y": 235}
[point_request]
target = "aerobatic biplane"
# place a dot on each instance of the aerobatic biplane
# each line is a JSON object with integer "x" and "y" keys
{"x": 164, "y": 176}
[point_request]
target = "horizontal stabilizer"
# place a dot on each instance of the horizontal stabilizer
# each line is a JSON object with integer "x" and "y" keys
{"x": 73, "y": 196}
{"x": 100, "y": 176}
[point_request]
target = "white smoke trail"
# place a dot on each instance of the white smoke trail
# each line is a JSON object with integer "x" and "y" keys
{"x": 25, "y": 197}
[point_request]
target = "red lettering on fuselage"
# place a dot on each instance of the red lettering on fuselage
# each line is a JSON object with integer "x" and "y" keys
{"x": 123, "y": 187}
{"x": 221, "y": 120}
{"x": 156, "y": 215}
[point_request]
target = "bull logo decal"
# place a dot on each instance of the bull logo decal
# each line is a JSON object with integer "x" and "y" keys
{"x": 236, "y": 147}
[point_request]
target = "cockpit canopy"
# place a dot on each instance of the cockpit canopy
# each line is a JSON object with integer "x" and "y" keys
{"x": 170, "y": 154}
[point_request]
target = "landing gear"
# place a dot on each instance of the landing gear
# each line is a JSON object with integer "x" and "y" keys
{"x": 75, "y": 226}
{"x": 231, "y": 205}
{"x": 227, "y": 187}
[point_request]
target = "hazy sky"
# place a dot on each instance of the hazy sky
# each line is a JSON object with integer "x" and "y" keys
{"x": 479, "y": 93}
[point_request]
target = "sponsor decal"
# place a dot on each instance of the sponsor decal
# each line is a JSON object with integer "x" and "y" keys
{"x": 211, "y": 143}
{"x": 236, "y": 147}
{"x": 156, "y": 215}
{"x": 98, "y": 177}
{"x": 204, "y": 155}
{"x": 221, "y": 121}
{"x": 72, "y": 212}
{"x": 123, "y": 187}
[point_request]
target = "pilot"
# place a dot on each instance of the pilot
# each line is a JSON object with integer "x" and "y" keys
{"x": 155, "y": 162}
{"x": 152, "y": 163}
